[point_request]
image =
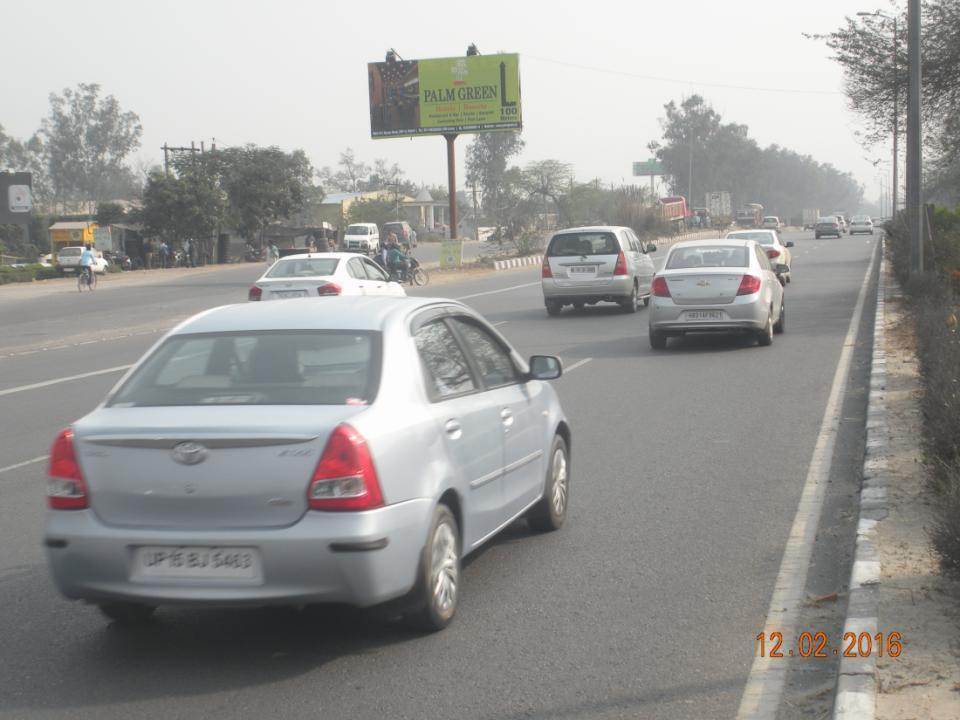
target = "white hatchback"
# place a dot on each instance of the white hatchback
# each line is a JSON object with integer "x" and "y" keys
{"x": 323, "y": 274}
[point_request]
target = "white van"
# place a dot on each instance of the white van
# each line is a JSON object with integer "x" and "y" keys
{"x": 361, "y": 237}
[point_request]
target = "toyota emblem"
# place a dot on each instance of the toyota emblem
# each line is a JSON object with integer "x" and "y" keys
{"x": 189, "y": 453}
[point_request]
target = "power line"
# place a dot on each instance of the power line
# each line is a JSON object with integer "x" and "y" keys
{"x": 639, "y": 76}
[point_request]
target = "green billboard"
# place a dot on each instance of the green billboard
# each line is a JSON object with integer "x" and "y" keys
{"x": 478, "y": 93}
{"x": 647, "y": 167}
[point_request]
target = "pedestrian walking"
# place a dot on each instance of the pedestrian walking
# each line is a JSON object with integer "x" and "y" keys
{"x": 273, "y": 253}
{"x": 164, "y": 253}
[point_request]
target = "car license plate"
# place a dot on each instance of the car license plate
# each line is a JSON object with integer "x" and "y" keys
{"x": 291, "y": 293}
{"x": 582, "y": 272}
{"x": 162, "y": 561}
{"x": 698, "y": 315}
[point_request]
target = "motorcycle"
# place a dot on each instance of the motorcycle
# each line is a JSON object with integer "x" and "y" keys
{"x": 413, "y": 275}
{"x": 120, "y": 259}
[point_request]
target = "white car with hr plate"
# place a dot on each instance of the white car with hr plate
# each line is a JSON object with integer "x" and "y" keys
{"x": 777, "y": 250}
{"x": 321, "y": 275}
{"x": 717, "y": 285}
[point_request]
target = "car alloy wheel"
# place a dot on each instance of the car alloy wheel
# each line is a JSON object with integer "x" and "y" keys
{"x": 437, "y": 591}
{"x": 631, "y": 304}
{"x": 551, "y": 511}
{"x": 766, "y": 335}
{"x": 444, "y": 569}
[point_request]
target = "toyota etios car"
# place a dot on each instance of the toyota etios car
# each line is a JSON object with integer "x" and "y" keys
{"x": 304, "y": 451}
{"x": 717, "y": 286}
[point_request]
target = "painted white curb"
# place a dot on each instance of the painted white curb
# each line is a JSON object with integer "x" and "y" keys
{"x": 856, "y": 697}
{"x": 517, "y": 262}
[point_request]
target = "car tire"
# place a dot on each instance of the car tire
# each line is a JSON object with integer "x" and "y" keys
{"x": 646, "y": 301}
{"x": 439, "y": 561}
{"x": 127, "y": 613}
{"x": 765, "y": 336}
{"x": 781, "y": 324}
{"x": 551, "y": 511}
{"x": 816, "y": 236}
{"x": 553, "y": 308}
{"x": 578, "y": 306}
{"x": 658, "y": 340}
{"x": 631, "y": 304}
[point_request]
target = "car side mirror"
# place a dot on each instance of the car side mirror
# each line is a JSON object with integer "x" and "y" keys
{"x": 651, "y": 248}
{"x": 781, "y": 269}
{"x": 789, "y": 243}
{"x": 545, "y": 367}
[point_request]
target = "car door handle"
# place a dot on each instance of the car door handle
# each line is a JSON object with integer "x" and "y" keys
{"x": 454, "y": 430}
{"x": 506, "y": 415}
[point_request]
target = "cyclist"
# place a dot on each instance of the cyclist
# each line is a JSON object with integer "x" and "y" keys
{"x": 87, "y": 260}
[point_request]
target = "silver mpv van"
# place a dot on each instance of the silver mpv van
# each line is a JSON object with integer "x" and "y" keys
{"x": 587, "y": 265}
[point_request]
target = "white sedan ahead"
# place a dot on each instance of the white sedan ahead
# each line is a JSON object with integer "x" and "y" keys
{"x": 323, "y": 274}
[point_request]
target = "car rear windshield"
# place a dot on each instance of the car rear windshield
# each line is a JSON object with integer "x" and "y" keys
{"x": 861, "y": 219}
{"x": 586, "y": 243}
{"x": 828, "y": 221}
{"x": 70, "y": 252}
{"x": 303, "y": 267}
{"x": 357, "y": 230}
{"x": 708, "y": 256}
{"x": 764, "y": 238}
{"x": 271, "y": 367}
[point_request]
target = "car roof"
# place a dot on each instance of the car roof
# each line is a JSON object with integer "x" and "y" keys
{"x": 590, "y": 228}
{"x": 734, "y": 242}
{"x": 317, "y": 255}
{"x": 330, "y": 313}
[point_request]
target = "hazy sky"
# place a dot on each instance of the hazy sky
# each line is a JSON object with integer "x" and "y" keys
{"x": 293, "y": 74}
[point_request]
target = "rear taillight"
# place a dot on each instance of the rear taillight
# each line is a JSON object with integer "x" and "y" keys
{"x": 329, "y": 288}
{"x": 773, "y": 253}
{"x": 345, "y": 478}
{"x": 659, "y": 287}
{"x": 66, "y": 488}
{"x": 255, "y": 293}
{"x": 621, "y": 267}
{"x": 545, "y": 271}
{"x": 749, "y": 285}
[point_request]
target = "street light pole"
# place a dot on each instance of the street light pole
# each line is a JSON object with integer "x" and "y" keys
{"x": 914, "y": 139}
{"x": 896, "y": 103}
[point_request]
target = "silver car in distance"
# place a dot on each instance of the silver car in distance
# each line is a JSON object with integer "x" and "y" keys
{"x": 306, "y": 451}
{"x": 717, "y": 286}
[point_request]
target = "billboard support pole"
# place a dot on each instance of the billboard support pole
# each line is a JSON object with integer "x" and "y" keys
{"x": 452, "y": 182}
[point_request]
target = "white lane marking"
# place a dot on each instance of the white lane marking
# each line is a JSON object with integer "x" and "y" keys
{"x": 577, "y": 364}
{"x": 495, "y": 292}
{"x": 57, "y": 381}
{"x": 764, "y": 688}
{"x": 24, "y": 463}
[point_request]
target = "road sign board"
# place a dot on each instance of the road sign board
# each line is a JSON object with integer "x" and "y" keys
{"x": 648, "y": 167}
{"x": 16, "y": 200}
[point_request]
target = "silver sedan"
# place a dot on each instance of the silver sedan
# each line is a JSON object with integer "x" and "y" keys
{"x": 717, "y": 286}
{"x": 307, "y": 451}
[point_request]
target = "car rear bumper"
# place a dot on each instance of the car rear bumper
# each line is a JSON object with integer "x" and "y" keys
{"x": 360, "y": 558}
{"x": 610, "y": 289}
{"x": 746, "y": 313}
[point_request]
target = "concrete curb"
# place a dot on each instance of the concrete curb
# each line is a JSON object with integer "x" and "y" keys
{"x": 856, "y": 697}
{"x": 517, "y": 262}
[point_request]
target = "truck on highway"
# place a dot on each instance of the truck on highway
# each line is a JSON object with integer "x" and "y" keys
{"x": 719, "y": 207}
{"x": 810, "y": 218}
{"x": 674, "y": 210}
{"x": 750, "y": 215}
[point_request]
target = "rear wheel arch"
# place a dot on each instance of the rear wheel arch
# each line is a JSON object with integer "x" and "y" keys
{"x": 563, "y": 430}
{"x": 451, "y": 499}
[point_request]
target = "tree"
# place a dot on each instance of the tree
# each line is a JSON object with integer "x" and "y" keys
{"x": 487, "y": 158}
{"x": 348, "y": 175}
{"x": 185, "y": 205}
{"x": 549, "y": 179}
{"x": 372, "y": 210}
{"x": 86, "y": 140}
{"x": 109, "y": 213}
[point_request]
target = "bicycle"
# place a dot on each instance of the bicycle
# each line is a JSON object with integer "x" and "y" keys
{"x": 87, "y": 277}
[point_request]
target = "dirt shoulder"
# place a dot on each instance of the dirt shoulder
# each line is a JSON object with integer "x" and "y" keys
{"x": 915, "y": 599}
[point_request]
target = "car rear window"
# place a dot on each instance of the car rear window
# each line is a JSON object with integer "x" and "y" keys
{"x": 275, "y": 367}
{"x": 303, "y": 267}
{"x": 357, "y": 230}
{"x": 764, "y": 238}
{"x": 708, "y": 256}
{"x": 586, "y": 243}
{"x": 70, "y": 252}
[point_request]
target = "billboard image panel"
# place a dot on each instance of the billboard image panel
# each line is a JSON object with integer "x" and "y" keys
{"x": 477, "y": 93}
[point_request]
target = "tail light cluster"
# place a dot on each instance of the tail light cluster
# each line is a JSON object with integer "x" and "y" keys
{"x": 329, "y": 288}
{"x": 545, "y": 271}
{"x": 66, "y": 488}
{"x": 255, "y": 293}
{"x": 659, "y": 287}
{"x": 749, "y": 285}
{"x": 773, "y": 253}
{"x": 345, "y": 477}
{"x": 621, "y": 266}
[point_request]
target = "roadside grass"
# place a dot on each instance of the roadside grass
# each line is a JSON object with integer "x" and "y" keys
{"x": 933, "y": 300}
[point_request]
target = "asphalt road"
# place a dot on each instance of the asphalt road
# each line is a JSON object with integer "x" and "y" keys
{"x": 688, "y": 466}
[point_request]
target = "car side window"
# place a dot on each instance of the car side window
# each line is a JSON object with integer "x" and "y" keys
{"x": 492, "y": 359}
{"x": 446, "y": 370}
{"x": 763, "y": 260}
{"x": 374, "y": 272}
{"x": 627, "y": 242}
{"x": 355, "y": 269}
